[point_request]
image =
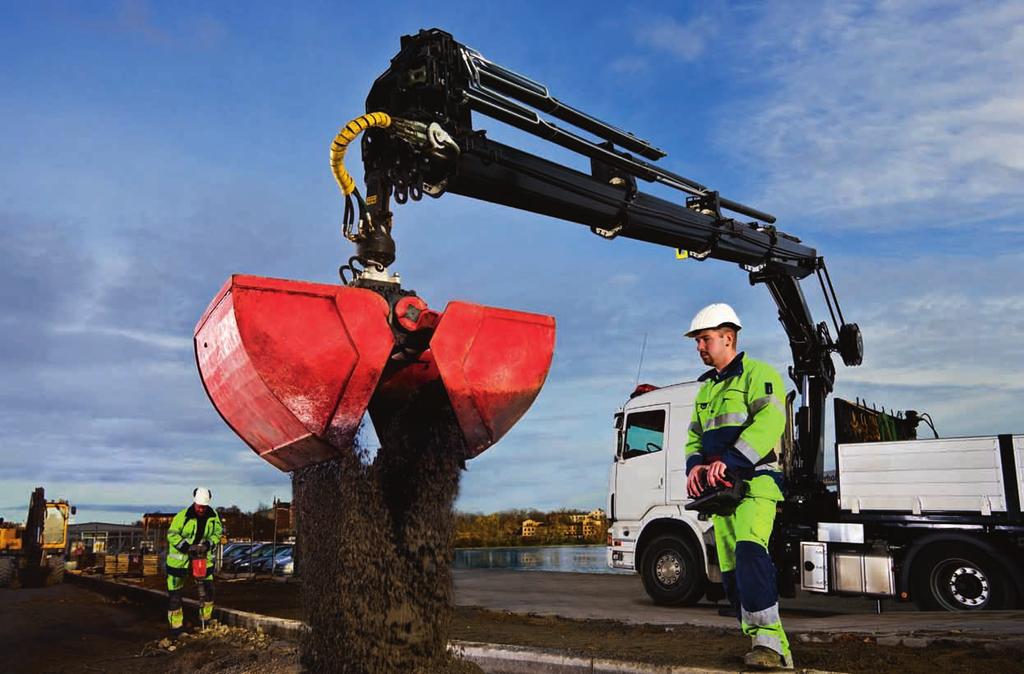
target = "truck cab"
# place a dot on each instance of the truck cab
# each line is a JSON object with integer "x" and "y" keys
{"x": 651, "y": 533}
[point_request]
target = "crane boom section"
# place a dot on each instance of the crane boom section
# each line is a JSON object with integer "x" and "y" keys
{"x": 432, "y": 90}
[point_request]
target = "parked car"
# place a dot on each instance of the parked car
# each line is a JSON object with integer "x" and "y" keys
{"x": 231, "y": 548}
{"x": 231, "y": 552}
{"x": 243, "y": 558}
{"x": 269, "y": 563}
{"x": 286, "y": 564}
{"x": 239, "y": 549}
{"x": 248, "y": 563}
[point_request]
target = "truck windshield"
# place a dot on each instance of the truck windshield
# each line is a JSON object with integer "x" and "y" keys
{"x": 645, "y": 433}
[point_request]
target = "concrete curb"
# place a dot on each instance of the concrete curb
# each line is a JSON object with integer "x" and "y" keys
{"x": 492, "y": 658}
{"x": 282, "y": 628}
{"x": 495, "y": 659}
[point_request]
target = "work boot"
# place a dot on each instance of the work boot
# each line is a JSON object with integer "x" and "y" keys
{"x": 176, "y": 619}
{"x": 762, "y": 657}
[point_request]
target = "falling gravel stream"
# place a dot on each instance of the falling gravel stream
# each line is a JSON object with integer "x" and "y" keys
{"x": 375, "y": 546}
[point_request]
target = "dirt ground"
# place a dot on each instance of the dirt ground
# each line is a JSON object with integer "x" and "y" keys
{"x": 675, "y": 645}
{"x": 69, "y": 629}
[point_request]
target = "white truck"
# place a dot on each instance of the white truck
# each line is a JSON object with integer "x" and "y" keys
{"x": 933, "y": 521}
{"x": 960, "y": 549}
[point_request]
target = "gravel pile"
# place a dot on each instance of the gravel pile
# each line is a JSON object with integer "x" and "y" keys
{"x": 218, "y": 648}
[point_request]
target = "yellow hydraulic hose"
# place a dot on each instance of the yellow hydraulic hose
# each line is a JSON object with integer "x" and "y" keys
{"x": 341, "y": 142}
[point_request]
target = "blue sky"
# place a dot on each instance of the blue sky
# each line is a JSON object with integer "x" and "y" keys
{"x": 152, "y": 149}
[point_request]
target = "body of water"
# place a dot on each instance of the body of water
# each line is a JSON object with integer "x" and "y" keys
{"x": 568, "y": 558}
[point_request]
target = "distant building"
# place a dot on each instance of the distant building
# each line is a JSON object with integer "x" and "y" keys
{"x": 103, "y": 537}
{"x": 237, "y": 525}
{"x": 157, "y": 521}
{"x": 580, "y": 525}
{"x": 594, "y": 523}
{"x": 530, "y": 528}
{"x": 155, "y": 526}
{"x": 586, "y": 525}
{"x": 281, "y": 514}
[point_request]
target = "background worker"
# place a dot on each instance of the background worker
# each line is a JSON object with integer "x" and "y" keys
{"x": 738, "y": 419}
{"x": 194, "y": 533}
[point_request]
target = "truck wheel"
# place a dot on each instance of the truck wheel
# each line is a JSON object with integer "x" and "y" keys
{"x": 8, "y": 567}
{"x": 961, "y": 578}
{"x": 673, "y": 572}
{"x": 56, "y": 572}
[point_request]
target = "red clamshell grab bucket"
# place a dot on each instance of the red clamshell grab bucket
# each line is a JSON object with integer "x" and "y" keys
{"x": 293, "y": 366}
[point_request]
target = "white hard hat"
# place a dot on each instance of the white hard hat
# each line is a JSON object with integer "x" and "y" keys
{"x": 714, "y": 316}
{"x": 201, "y": 496}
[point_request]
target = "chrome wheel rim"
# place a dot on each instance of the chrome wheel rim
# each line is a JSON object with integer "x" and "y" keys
{"x": 668, "y": 569}
{"x": 959, "y": 584}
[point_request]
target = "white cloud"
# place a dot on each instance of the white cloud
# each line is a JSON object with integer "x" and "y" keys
{"x": 865, "y": 106}
{"x": 161, "y": 341}
{"x": 629, "y": 65}
{"x": 684, "y": 40}
{"x": 940, "y": 334}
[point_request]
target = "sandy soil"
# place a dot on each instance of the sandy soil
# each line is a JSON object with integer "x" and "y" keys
{"x": 122, "y": 645}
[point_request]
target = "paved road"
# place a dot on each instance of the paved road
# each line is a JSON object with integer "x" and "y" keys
{"x": 622, "y": 598}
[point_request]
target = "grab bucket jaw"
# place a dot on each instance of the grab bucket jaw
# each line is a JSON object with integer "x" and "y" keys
{"x": 293, "y": 366}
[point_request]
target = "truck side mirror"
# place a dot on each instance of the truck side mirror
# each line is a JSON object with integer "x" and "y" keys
{"x": 74, "y": 510}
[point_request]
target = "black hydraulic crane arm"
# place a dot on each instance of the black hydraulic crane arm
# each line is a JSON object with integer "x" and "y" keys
{"x": 429, "y": 147}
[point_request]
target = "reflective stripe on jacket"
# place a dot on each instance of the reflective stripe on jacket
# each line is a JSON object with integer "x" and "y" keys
{"x": 738, "y": 418}
{"x": 183, "y": 532}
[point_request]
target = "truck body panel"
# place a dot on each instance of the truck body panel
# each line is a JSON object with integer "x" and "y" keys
{"x": 921, "y": 476}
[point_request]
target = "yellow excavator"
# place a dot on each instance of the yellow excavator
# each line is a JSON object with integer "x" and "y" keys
{"x": 32, "y": 554}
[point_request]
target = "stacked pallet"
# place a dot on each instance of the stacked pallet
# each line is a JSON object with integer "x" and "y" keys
{"x": 151, "y": 565}
{"x": 120, "y": 566}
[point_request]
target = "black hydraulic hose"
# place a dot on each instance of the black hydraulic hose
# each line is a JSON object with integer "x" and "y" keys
{"x": 828, "y": 300}
{"x": 828, "y": 278}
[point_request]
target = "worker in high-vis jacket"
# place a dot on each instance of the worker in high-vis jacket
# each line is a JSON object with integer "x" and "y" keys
{"x": 194, "y": 533}
{"x": 738, "y": 420}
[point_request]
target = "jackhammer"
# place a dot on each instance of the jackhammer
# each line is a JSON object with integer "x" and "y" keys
{"x": 197, "y": 563}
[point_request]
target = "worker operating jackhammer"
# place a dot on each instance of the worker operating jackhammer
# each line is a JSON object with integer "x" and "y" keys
{"x": 192, "y": 538}
{"x": 738, "y": 420}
